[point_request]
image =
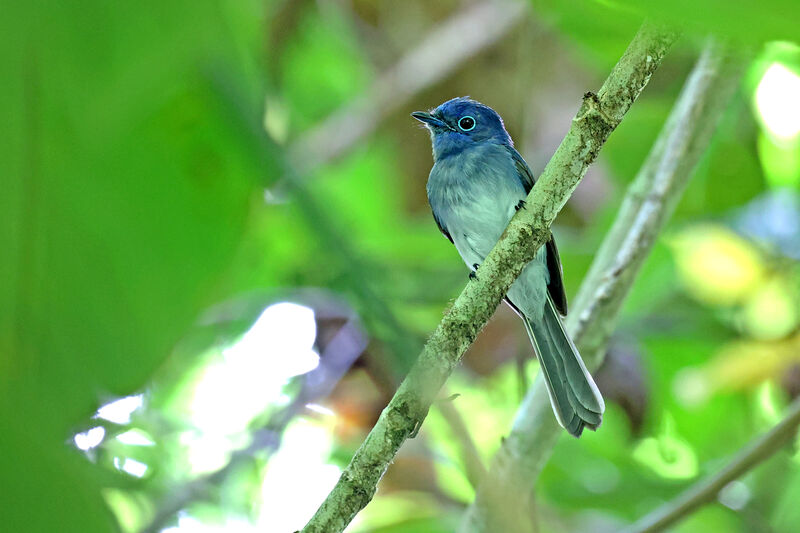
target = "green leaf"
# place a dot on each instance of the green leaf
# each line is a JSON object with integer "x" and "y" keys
{"x": 128, "y": 187}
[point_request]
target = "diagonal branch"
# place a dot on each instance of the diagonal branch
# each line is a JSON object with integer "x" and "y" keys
{"x": 707, "y": 489}
{"x": 598, "y": 116}
{"x": 437, "y": 55}
{"x": 648, "y": 204}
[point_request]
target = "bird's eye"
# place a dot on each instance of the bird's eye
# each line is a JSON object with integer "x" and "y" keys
{"x": 466, "y": 123}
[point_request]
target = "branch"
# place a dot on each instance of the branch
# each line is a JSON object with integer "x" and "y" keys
{"x": 439, "y": 53}
{"x": 470, "y": 456}
{"x": 653, "y": 195}
{"x": 526, "y": 233}
{"x": 706, "y": 490}
{"x": 649, "y": 202}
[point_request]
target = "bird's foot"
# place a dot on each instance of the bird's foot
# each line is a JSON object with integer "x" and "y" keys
{"x": 520, "y": 205}
{"x": 473, "y": 275}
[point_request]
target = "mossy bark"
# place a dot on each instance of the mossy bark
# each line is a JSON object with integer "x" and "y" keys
{"x": 649, "y": 202}
{"x": 598, "y": 116}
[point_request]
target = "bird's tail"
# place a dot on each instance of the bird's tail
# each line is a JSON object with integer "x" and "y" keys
{"x": 576, "y": 401}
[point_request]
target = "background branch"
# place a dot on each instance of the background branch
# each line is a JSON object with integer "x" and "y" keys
{"x": 649, "y": 202}
{"x": 527, "y": 231}
{"x": 474, "y": 468}
{"x": 439, "y": 53}
{"x": 707, "y": 489}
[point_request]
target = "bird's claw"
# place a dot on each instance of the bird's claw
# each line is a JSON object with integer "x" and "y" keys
{"x": 472, "y": 274}
{"x": 520, "y": 205}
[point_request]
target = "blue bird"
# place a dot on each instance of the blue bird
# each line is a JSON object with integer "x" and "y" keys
{"x": 477, "y": 183}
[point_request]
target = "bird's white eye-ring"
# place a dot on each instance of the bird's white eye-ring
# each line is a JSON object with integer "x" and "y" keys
{"x": 466, "y": 123}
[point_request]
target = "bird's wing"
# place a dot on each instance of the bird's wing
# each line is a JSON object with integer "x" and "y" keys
{"x": 523, "y": 171}
{"x": 556, "y": 285}
{"x": 442, "y": 227}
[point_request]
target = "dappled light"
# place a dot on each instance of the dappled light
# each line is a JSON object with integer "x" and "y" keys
{"x": 135, "y": 437}
{"x": 120, "y": 411}
{"x": 131, "y": 466}
{"x": 189, "y": 524}
{"x": 716, "y": 265}
{"x": 90, "y": 438}
{"x": 777, "y": 103}
{"x": 247, "y": 376}
{"x": 297, "y": 477}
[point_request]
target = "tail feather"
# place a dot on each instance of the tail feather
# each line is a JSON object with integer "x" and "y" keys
{"x": 576, "y": 401}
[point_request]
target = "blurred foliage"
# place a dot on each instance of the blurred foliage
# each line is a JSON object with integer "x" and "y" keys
{"x": 152, "y": 235}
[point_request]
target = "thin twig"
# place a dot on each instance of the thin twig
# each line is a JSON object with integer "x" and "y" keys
{"x": 528, "y": 230}
{"x": 470, "y": 457}
{"x": 649, "y": 202}
{"x": 706, "y": 490}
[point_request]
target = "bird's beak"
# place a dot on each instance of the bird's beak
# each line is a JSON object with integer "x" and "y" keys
{"x": 430, "y": 120}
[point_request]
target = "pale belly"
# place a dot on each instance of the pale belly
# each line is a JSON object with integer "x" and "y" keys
{"x": 476, "y": 229}
{"x": 474, "y": 196}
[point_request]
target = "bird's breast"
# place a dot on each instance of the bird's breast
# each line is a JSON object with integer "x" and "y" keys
{"x": 475, "y": 191}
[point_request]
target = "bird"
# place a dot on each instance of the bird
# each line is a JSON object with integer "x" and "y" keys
{"x": 477, "y": 183}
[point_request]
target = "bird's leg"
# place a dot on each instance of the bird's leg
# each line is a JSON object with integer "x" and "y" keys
{"x": 472, "y": 274}
{"x": 520, "y": 205}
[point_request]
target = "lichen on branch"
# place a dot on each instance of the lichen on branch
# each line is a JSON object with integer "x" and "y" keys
{"x": 647, "y": 205}
{"x": 528, "y": 230}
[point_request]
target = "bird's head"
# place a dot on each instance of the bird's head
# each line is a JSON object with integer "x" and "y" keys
{"x": 459, "y": 124}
